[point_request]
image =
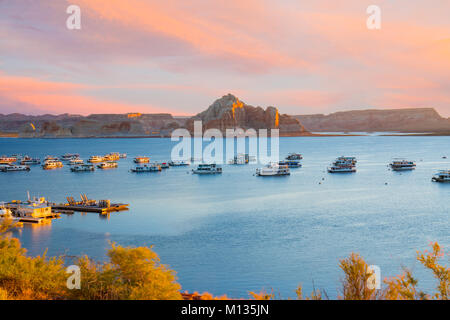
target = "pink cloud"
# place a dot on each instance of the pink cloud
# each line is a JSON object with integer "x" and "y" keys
{"x": 54, "y": 97}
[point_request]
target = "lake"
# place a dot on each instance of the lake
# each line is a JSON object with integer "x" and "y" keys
{"x": 234, "y": 233}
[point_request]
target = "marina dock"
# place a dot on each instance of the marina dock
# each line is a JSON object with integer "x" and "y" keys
{"x": 87, "y": 205}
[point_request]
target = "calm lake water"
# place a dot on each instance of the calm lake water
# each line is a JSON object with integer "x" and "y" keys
{"x": 234, "y": 233}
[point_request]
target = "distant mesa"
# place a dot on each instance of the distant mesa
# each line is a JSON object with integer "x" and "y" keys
{"x": 372, "y": 120}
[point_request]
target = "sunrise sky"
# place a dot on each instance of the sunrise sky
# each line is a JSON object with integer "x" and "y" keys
{"x": 150, "y": 56}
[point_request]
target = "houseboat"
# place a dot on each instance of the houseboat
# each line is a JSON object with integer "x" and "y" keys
{"x": 294, "y": 156}
{"x": 70, "y": 156}
{"x": 7, "y": 160}
{"x": 96, "y": 159}
{"x": 341, "y": 169}
{"x": 343, "y": 159}
{"x": 30, "y": 161}
{"x": 146, "y": 168}
{"x": 442, "y": 176}
{"x": 52, "y": 164}
{"x": 142, "y": 159}
{"x": 48, "y": 158}
{"x": 82, "y": 168}
{"x": 273, "y": 169}
{"x": 207, "y": 169}
{"x": 108, "y": 165}
{"x": 113, "y": 156}
{"x": 402, "y": 165}
{"x": 32, "y": 211}
{"x": 76, "y": 161}
{"x": 178, "y": 163}
{"x": 290, "y": 163}
{"x": 11, "y": 167}
{"x": 240, "y": 159}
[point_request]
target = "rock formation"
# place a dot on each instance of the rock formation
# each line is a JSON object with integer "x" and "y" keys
{"x": 229, "y": 112}
{"x": 402, "y": 120}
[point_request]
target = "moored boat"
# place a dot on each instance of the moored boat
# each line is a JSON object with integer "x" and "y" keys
{"x": 82, "y": 168}
{"x": 441, "y": 176}
{"x": 402, "y": 165}
{"x": 7, "y": 160}
{"x": 30, "y": 161}
{"x": 52, "y": 164}
{"x": 240, "y": 159}
{"x": 294, "y": 156}
{"x": 146, "y": 168}
{"x": 142, "y": 159}
{"x": 47, "y": 158}
{"x": 113, "y": 156}
{"x": 341, "y": 169}
{"x": 107, "y": 165}
{"x": 76, "y": 161}
{"x": 273, "y": 169}
{"x": 70, "y": 156}
{"x": 11, "y": 167}
{"x": 163, "y": 165}
{"x": 96, "y": 159}
{"x": 290, "y": 163}
{"x": 351, "y": 160}
{"x": 205, "y": 168}
{"x": 178, "y": 163}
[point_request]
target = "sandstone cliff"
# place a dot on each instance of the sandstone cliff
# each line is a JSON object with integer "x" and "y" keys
{"x": 402, "y": 120}
{"x": 229, "y": 112}
{"x": 96, "y": 125}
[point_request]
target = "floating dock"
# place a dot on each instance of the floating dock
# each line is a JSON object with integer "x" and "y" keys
{"x": 87, "y": 205}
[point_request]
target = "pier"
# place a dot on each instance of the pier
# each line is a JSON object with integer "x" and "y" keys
{"x": 87, "y": 205}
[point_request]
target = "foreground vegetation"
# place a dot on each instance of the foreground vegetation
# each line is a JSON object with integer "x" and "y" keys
{"x": 137, "y": 273}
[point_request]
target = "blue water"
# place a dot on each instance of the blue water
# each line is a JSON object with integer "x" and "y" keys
{"x": 235, "y": 233}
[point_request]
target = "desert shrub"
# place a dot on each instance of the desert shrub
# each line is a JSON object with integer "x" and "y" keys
{"x": 23, "y": 277}
{"x": 131, "y": 273}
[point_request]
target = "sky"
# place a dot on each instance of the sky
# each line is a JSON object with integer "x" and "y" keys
{"x": 302, "y": 56}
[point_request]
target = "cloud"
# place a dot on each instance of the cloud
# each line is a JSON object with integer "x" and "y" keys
{"x": 310, "y": 55}
{"x": 37, "y": 96}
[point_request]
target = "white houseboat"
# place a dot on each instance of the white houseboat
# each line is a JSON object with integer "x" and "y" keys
{"x": 273, "y": 169}
{"x": 108, "y": 165}
{"x": 442, "y": 176}
{"x": 207, "y": 169}
{"x": 82, "y": 168}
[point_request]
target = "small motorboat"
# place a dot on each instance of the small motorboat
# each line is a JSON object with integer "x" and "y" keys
{"x": 163, "y": 165}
